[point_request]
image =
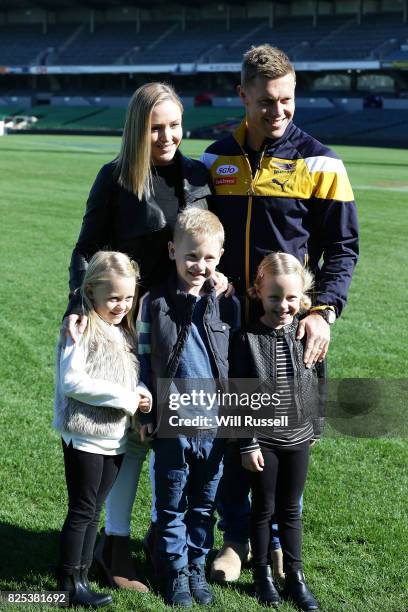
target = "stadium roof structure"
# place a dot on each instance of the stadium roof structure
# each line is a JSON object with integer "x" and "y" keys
{"x": 103, "y": 4}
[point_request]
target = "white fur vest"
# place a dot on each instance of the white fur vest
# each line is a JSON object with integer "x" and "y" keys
{"x": 108, "y": 357}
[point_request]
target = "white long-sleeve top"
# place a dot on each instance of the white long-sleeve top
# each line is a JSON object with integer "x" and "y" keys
{"x": 72, "y": 381}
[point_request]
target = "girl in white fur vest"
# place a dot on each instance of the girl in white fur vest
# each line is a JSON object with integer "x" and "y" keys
{"x": 97, "y": 394}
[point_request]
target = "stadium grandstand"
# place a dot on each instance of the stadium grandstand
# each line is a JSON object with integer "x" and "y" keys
{"x": 71, "y": 65}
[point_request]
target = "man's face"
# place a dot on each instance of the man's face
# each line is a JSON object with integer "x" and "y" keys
{"x": 270, "y": 105}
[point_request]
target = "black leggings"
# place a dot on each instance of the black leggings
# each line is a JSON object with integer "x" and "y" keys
{"x": 276, "y": 492}
{"x": 89, "y": 478}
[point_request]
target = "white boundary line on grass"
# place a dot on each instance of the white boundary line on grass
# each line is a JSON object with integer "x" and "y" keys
{"x": 380, "y": 188}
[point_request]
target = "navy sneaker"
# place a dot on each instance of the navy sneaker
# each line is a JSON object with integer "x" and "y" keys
{"x": 178, "y": 588}
{"x": 200, "y": 589}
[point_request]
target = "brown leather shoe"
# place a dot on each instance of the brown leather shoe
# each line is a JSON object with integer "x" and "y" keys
{"x": 226, "y": 566}
{"x": 112, "y": 554}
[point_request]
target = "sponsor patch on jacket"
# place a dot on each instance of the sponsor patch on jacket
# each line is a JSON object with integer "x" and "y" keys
{"x": 225, "y": 181}
{"x": 226, "y": 170}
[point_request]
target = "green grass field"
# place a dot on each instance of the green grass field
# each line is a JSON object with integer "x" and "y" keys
{"x": 355, "y": 515}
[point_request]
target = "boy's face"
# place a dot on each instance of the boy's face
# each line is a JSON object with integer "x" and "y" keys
{"x": 196, "y": 260}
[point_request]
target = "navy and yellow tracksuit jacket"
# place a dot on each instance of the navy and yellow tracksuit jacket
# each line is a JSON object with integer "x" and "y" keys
{"x": 299, "y": 201}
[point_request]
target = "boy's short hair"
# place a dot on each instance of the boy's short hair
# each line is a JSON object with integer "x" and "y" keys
{"x": 266, "y": 61}
{"x": 200, "y": 223}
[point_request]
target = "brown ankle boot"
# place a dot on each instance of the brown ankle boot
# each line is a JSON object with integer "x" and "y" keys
{"x": 112, "y": 554}
{"x": 277, "y": 566}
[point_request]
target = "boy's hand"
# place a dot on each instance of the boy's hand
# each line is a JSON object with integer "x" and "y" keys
{"x": 254, "y": 462}
{"x": 74, "y": 326}
{"x": 145, "y": 431}
{"x": 144, "y": 404}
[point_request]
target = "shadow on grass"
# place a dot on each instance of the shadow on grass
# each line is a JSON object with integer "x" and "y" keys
{"x": 26, "y": 554}
{"x": 30, "y": 558}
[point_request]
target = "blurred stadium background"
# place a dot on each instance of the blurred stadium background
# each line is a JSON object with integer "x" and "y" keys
{"x": 70, "y": 66}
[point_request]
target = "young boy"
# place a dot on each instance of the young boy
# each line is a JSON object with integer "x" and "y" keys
{"x": 181, "y": 336}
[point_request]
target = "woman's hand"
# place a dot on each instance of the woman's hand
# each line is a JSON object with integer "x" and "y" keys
{"x": 144, "y": 404}
{"x": 254, "y": 462}
{"x": 145, "y": 431}
{"x": 74, "y": 326}
{"x": 222, "y": 285}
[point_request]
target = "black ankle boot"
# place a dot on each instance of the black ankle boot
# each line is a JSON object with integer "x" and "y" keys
{"x": 298, "y": 592}
{"x": 265, "y": 589}
{"x": 75, "y": 581}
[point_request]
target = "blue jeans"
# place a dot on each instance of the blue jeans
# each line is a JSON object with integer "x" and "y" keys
{"x": 233, "y": 504}
{"x": 187, "y": 472}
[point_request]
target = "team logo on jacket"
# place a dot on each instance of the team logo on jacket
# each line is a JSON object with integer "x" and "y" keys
{"x": 280, "y": 167}
{"x": 282, "y": 184}
{"x": 227, "y": 170}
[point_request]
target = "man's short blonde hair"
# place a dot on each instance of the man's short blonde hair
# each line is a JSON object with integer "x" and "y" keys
{"x": 266, "y": 61}
{"x": 199, "y": 223}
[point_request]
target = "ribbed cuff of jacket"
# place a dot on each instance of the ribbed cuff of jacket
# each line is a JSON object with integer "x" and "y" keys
{"x": 248, "y": 445}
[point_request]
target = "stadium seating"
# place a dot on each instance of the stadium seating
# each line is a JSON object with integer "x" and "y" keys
{"x": 360, "y": 41}
{"x": 22, "y": 45}
{"x": 295, "y": 36}
{"x": 111, "y": 43}
{"x": 335, "y": 37}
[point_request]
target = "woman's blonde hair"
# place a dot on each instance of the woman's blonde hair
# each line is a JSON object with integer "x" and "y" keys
{"x": 133, "y": 168}
{"x": 101, "y": 268}
{"x": 276, "y": 264}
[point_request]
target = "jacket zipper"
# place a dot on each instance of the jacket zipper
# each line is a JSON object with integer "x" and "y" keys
{"x": 296, "y": 375}
{"x": 209, "y": 339}
{"x": 251, "y": 193}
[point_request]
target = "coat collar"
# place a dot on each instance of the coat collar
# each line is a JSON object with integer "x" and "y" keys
{"x": 180, "y": 299}
{"x": 286, "y": 330}
{"x": 195, "y": 183}
{"x": 195, "y": 178}
{"x": 269, "y": 144}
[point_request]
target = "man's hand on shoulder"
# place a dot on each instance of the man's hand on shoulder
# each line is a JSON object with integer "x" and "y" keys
{"x": 317, "y": 333}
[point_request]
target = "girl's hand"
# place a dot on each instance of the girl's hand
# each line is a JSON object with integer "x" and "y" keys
{"x": 254, "y": 462}
{"x": 144, "y": 404}
{"x": 74, "y": 326}
{"x": 145, "y": 431}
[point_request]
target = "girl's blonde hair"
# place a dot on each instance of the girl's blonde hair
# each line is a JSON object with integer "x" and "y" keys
{"x": 276, "y": 264}
{"x": 133, "y": 169}
{"x": 101, "y": 268}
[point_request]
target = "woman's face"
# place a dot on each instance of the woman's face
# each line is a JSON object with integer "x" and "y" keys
{"x": 166, "y": 132}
